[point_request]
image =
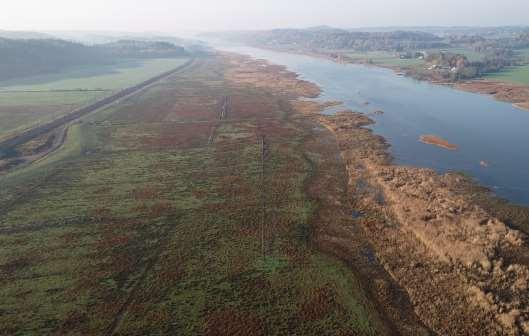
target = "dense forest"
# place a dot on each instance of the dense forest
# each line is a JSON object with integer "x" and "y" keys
{"x": 140, "y": 49}
{"x": 10, "y": 34}
{"x": 338, "y": 39}
{"x": 28, "y": 57}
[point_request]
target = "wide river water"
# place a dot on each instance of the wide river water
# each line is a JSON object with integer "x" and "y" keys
{"x": 485, "y": 130}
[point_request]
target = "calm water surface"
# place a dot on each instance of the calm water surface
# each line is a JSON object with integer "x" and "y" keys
{"x": 484, "y": 129}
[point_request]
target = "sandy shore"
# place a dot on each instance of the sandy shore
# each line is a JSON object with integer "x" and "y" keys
{"x": 524, "y": 106}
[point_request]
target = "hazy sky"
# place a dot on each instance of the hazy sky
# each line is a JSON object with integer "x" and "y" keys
{"x": 178, "y": 15}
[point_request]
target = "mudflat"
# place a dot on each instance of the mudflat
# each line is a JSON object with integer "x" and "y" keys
{"x": 511, "y": 93}
{"x": 437, "y": 141}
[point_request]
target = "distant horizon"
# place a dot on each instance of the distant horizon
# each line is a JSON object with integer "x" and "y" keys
{"x": 192, "y": 32}
{"x": 230, "y": 15}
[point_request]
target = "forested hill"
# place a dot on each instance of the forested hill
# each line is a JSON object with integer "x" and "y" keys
{"x": 329, "y": 38}
{"x": 140, "y": 49}
{"x": 11, "y": 34}
{"x": 28, "y": 57}
{"x": 19, "y": 58}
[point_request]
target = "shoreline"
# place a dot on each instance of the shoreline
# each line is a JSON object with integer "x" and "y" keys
{"x": 501, "y": 91}
{"x": 456, "y": 86}
{"x": 522, "y": 106}
{"x": 452, "y": 250}
{"x": 446, "y": 226}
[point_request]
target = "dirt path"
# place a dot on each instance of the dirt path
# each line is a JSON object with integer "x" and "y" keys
{"x": 222, "y": 116}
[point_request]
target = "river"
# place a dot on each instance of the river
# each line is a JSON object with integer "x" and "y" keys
{"x": 492, "y": 136}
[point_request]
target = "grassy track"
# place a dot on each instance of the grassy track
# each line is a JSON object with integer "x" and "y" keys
{"x": 140, "y": 225}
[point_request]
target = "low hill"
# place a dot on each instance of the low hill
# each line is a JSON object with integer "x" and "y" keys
{"x": 11, "y": 34}
{"x": 29, "y": 57}
{"x": 333, "y": 39}
{"x": 20, "y": 58}
{"x": 141, "y": 49}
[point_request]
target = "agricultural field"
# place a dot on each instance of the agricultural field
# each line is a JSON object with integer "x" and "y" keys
{"x": 30, "y": 101}
{"x": 384, "y": 59}
{"x": 514, "y": 75}
{"x": 523, "y": 54}
{"x": 99, "y": 77}
{"x": 19, "y": 110}
{"x": 186, "y": 209}
{"x": 392, "y": 59}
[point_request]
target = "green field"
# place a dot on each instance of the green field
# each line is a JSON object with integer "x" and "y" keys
{"x": 19, "y": 110}
{"x": 108, "y": 77}
{"x": 30, "y": 101}
{"x": 516, "y": 75}
{"x": 384, "y": 58}
{"x": 523, "y": 54}
{"x": 393, "y": 59}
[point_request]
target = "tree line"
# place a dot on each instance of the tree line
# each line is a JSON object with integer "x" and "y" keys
{"x": 29, "y": 57}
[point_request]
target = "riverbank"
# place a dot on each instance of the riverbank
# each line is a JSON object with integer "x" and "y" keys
{"x": 465, "y": 270}
{"x": 450, "y": 252}
{"x": 518, "y": 95}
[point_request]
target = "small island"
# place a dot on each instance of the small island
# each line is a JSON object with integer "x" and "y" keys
{"x": 437, "y": 141}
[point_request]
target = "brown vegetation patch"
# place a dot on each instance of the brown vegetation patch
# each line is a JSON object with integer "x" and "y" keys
{"x": 232, "y": 322}
{"x": 245, "y": 107}
{"x": 318, "y": 304}
{"x": 516, "y": 94}
{"x": 164, "y": 137}
{"x": 437, "y": 141}
{"x": 198, "y": 107}
{"x": 439, "y": 230}
{"x": 8, "y": 269}
{"x": 145, "y": 193}
{"x": 261, "y": 74}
